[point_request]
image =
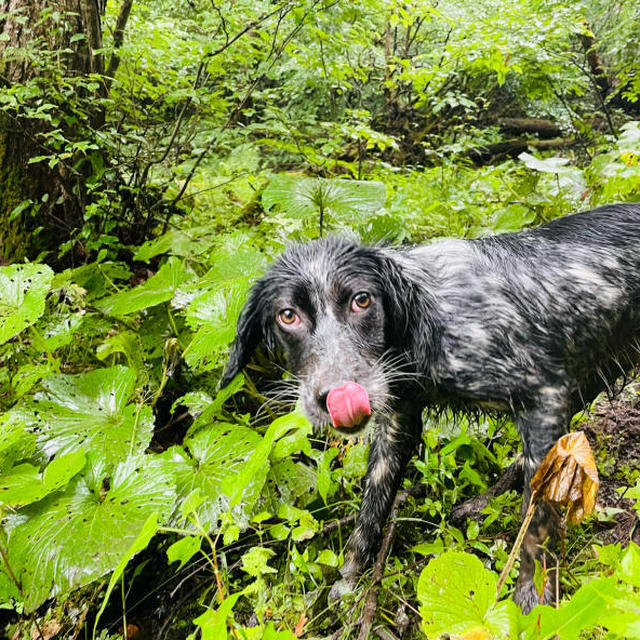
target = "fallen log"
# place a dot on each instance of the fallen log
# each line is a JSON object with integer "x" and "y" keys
{"x": 513, "y": 148}
{"x": 538, "y": 126}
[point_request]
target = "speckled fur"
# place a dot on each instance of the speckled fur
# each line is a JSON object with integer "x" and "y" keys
{"x": 534, "y": 324}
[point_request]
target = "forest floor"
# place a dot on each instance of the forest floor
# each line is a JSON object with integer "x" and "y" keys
{"x": 613, "y": 429}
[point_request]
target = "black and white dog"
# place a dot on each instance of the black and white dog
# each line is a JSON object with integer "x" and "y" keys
{"x": 534, "y": 324}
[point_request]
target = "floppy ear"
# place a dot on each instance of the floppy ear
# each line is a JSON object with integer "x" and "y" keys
{"x": 249, "y": 334}
{"x": 412, "y": 321}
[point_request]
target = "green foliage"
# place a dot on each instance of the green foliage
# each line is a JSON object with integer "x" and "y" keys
{"x": 89, "y": 412}
{"x": 23, "y": 289}
{"x": 458, "y": 596}
{"x": 102, "y": 512}
{"x": 225, "y": 132}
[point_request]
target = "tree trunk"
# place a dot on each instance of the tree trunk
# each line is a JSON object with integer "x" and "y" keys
{"x": 44, "y": 42}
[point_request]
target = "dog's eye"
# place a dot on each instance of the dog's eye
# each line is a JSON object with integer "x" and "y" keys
{"x": 288, "y": 318}
{"x": 360, "y": 301}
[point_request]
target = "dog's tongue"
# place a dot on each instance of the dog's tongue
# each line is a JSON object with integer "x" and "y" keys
{"x": 348, "y": 405}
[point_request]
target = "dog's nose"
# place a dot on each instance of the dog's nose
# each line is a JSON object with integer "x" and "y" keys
{"x": 321, "y": 397}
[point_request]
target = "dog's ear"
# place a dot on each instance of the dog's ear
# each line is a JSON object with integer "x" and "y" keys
{"x": 250, "y": 332}
{"x": 412, "y": 322}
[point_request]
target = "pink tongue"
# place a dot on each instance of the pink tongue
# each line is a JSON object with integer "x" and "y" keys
{"x": 348, "y": 405}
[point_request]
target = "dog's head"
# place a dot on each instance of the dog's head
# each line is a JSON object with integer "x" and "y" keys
{"x": 342, "y": 315}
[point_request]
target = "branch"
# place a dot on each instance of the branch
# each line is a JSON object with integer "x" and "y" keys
{"x": 118, "y": 37}
{"x": 512, "y": 478}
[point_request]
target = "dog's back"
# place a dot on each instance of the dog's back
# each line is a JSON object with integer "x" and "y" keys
{"x": 555, "y": 305}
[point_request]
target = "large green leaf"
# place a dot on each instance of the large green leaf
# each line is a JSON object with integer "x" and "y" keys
{"x": 159, "y": 288}
{"x": 16, "y": 442}
{"x": 179, "y": 242}
{"x": 589, "y": 607}
{"x": 73, "y": 537}
{"x": 458, "y": 597}
{"x": 303, "y": 197}
{"x": 215, "y": 312}
{"x": 89, "y": 412}
{"x": 23, "y": 288}
{"x": 209, "y": 457}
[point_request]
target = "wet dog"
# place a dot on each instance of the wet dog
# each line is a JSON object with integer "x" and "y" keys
{"x": 534, "y": 324}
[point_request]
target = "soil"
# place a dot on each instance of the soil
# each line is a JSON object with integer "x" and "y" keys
{"x": 613, "y": 430}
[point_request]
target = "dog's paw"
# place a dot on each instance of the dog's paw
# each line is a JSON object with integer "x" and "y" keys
{"x": 527, "y": 596}
{"x": 340, "y": 589}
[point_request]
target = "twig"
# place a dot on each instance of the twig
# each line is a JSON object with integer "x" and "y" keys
{"x": 369, "y": 608}
{"x": 512, "y": 478}
{"x": 531, "y": 509}
{"x": 337, "y": 524}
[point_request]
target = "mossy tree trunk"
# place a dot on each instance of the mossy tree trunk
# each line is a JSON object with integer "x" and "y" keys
{"x": 44, "y": 42}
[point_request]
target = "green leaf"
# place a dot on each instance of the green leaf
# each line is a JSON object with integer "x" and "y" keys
{"x": 303, "y": 197}
{"x": 629, "y": 571}
{"x": 327, "y": 557}
{"x": 254, "y": 562}
{"x": 586, "y": 609}
{"x": 458, "y": 596}
{"x": 211, "y": 457}
{"x": 213, "y": 623}
{"x": 512, "y": 218}
{"x": 25, "y": 484}
{"x": 548, "y": 165}
{"x": 246, "y": 486}
{"x": 186, "y": 243}
{"x": 89, "y": 411}
{"x": 23, "y": 288}
{"x": 157, "y": 289}
{"x": 16, "y": 442}
{"x": 102, "y": 515}
{"x": 128, "y": 343}
{"x": 149, "y": 529}
{"x": 324, "y": 473}
{"x": 215, "y": 314}
{"x": 184, "y": 549}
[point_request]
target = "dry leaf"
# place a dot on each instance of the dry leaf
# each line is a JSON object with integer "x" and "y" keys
{"x": 49, "y": 629}
{"x": 568, "y": 476}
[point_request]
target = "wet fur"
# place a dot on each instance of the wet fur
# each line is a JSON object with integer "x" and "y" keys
{"x": 532, "y": 324}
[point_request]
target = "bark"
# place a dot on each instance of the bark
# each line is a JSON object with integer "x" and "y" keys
{"x": 118, "y": 37}
{"x": 57, "y": 195}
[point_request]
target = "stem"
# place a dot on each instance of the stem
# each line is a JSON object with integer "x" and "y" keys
{"x": 214, "y": 563}
{"x": 5, "y": 559}
{"x": 124, "y": 609}
{"x": 531, "y": 509}
{"x": 43, "y": 344}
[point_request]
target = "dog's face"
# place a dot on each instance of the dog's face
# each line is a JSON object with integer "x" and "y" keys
{"x": 331, "y": 307}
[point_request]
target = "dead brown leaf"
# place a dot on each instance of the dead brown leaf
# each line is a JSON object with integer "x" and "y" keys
{"x": 299, "y": 628}
{"x": 568, "y": 476}
{"x": 49, "y": 629}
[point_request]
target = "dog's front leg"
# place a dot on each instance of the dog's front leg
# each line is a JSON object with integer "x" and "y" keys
{"x": 393, "y": 445}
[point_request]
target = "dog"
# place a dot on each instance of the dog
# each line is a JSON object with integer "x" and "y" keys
{"x": 533, "y": 324}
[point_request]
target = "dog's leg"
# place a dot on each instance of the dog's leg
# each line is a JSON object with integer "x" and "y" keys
{"x": 393, "y": 445}
{"x": 539, "y": 428}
